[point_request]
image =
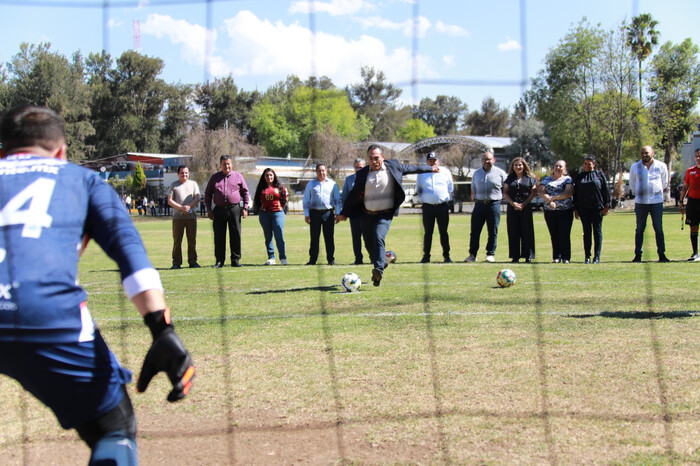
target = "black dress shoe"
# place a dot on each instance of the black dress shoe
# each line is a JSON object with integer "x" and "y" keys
{"x": 596, "y": 260}
{"x": 331, "y": 263}
{"x": 235, "y": 264}
{"x": 587, "y": 261}
{"x": 195, "y": 266}
{"x": 218, "y": 265}
{"x": 175, "y": 267}
{"x": 637, "y": 258}
{"x": 376, "y": 277}
{"x": 425, "y": 260}
{"x": 514, "y": 261}
{"x": 357, "y": 262}
{"x": 528, "y": 260}
{"x": 447, "y": 260}
{"x": 663, "y": 258}
{"x": 310, "y": 263}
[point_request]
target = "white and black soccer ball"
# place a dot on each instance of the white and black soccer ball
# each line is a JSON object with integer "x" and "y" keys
{"x": 390, "y": 257}
{"x": 351, "y": 282}
{"x": 505, "y": 278}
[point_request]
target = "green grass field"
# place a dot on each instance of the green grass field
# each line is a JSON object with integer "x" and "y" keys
{"x": 573, "y": 364}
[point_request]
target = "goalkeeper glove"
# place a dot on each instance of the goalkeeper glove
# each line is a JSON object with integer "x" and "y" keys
{"x": 167, "y": 354}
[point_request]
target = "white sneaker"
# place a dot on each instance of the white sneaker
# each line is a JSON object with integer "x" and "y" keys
{"x": 270, "y": 262}
{"x": 283, "y": 261}
{"x": 490, "y": 259}
{"x": 470, "y": 259}
{"x": 694, "y": 258}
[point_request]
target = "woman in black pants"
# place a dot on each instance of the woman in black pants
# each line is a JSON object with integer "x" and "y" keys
{"x": 556, "y": 190}
{"x": 519, "y": 189}
{"x": 591, "y": 203}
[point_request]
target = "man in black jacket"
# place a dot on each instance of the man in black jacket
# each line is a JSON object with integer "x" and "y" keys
{"x": 375, "y": 198}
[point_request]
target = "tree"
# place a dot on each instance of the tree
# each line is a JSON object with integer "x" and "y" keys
{"x": 675, "y": 89}
{"x": 377, "y": 100}
{"x": 285, "y": 126}
{"x": 138, "y": 180}
{"x": 641, "y": 37}
{"x": 333, "y": 150}
{"x": 224, "y": 105}
{"x": 492, "y": 120}
{"x": 41, "y": 77}
{"x": 443, "y": 114}
{"x": 178, "y": 117}
{"x": 415, "y": 130}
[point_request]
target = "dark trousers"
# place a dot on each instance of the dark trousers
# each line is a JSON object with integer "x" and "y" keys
{"x": 374, "y": 231}
{"x": 591, "y": 220}
{"x": 559, "y": 224}
{"x": 356, "y": 232}
{"x": 521, "y": 233}
{"x": 227, "y": 217}
{"x": 490, "y": 214}
{"x": 322, "y": 220}
{"x": 180, "y": 227}
{"x": 439, "y": 213}
{"x": 642, "y": 211}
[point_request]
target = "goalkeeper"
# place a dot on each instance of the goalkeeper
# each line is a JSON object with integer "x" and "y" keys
{"x": 48, "y": 339}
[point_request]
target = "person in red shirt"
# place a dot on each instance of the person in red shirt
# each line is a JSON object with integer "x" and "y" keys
{"x": 269, "y": 201}
{"x": 691, "y": 189}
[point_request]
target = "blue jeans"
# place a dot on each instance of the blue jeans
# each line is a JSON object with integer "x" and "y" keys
{"x": 272, "y": 223}
{"x": 374, "y": 231}
{"x": 491, "y": 215}
{"x": 642, "y": 211}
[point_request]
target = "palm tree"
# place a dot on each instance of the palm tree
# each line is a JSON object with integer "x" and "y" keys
{"x": 641, "y": 36}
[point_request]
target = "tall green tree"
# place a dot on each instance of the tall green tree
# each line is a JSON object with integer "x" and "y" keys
{"x": 285, "y": 126}
{"x": 675, "y": 90}
{"x": 138, "y": 180}
{"x": 444, "y": 113}
{"x": 378, "y": 100}
{"x": 223, "y": 105}
{"x": 490, "y": 120}
{"x": 641, "y": 37}
{"x": 178, "y": 117}
{"x": 415, "y": 130}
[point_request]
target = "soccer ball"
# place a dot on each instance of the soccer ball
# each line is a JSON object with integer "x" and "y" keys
{"x": 505, "y": 278}
{"x": 390, "y": 257}
{"x": 351, "y": 282}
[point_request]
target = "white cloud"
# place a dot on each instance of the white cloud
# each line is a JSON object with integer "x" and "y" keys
{"x": 406, "y": 27}
{"x": 262, "y": 49}
{"x": 113, "y": 23}
{"x": 191, "y": 38}
{"x": 449, "y": 60}
{"x": 332, "y": 7}
{"x": 452, "y": 30}
{"x": 509, "y": 45}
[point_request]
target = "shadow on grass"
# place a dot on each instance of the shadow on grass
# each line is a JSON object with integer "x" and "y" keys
{"x": 639, "y": 315}
{"x": 293, "y": 290}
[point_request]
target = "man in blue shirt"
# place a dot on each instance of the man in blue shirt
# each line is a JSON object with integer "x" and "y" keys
{"x": 49, "y": 341}
{"x": 355, "y": 223}
{"x": 321, "y": 205}
{"x": 487, "y": 192}
{"x": 435, "y": 190}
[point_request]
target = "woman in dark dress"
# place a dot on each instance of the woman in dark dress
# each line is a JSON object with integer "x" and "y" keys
{"x": 591, "y": 203}
{"x": 519, "y": 189}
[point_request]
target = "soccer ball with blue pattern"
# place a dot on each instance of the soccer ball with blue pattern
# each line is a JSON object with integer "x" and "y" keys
{"x": 351, "y": 282}
{"x": 505, "y": 278}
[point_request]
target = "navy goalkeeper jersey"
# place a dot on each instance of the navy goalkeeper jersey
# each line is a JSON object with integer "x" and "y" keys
{"x": 46, "y": 207}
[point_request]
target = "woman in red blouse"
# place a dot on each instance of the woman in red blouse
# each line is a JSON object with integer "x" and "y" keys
{"x": 269, "y": 201}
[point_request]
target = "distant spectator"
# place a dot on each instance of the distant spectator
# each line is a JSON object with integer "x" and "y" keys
{"x": 127, "y": 203}
{"x": 591, "y": 204}
{"x": 184, "y": 196}
{"x": 556, "y": 191}
{"x": 269, "y": 201}
{"x": 691, "y": 190}
{"x": 355, "y": 223}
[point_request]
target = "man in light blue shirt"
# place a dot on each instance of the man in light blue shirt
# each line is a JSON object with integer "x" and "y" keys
{"x": 321, "y": 205}
{"x": 487, "y": 192}
{"x": 355, "y": 223}
{"x": 435, "y": 190}
{"x": 648, "y": 181}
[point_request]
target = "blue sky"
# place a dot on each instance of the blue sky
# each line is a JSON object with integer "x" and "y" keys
{"x": 260, "y": 42}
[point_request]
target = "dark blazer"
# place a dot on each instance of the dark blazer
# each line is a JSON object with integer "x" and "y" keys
{"x": 355, "y": 203}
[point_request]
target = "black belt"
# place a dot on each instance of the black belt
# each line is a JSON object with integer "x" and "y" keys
{"x": 378, "y": 212}
{"x": 438, "y": 204}
{"x": 479, "y": 201}
{"x": 323, "y": 211}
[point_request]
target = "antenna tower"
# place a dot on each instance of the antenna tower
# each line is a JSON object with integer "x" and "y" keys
{"x": 137, "y": 34}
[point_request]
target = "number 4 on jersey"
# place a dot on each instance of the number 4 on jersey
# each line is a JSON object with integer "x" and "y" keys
{"x": 35, "y": 216}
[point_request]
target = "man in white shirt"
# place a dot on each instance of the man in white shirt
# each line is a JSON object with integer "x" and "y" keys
{"x": 321, "y": 204}
{"x": 648, "y": 181}
{"x": 435, "y": 190}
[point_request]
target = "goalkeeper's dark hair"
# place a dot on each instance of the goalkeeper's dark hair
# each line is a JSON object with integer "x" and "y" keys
{"x": 31, "y": 125}
{"x": 262, "y": 184}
